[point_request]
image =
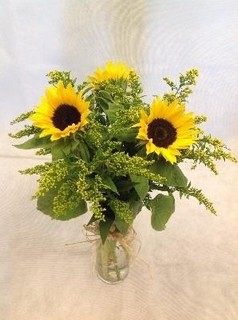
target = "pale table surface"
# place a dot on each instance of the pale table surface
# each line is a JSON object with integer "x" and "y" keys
{"x": 189, "y": 271}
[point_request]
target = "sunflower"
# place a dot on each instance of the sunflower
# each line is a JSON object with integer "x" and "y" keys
{"x": 62, "y": 111}
{"x": 167, "y": 129}
{"x": 111, "y": 71}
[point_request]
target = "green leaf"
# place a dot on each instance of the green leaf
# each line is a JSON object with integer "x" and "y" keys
{"x": 162, "y": 208}
{"x": 45, "y": 205}
{"x": 86, "y": 90}
{"x": 120, "y": 223}
{"x": 92, "y": 220}
{"x": 135, "y": 206}
{"x": 104, "y": 228}
{"x": 172, "y": 173}
{"x": 57, "y": 150}
{"x": 112, "y": 111}
{"x": 35, "y": 142}
{"x": 84, "y": 152}
{"x": 61, "y": 148}
{"x": 107, "y": 180}
{"x": 103, "y": 103}
{"x": 74, "y": 144}
{"x": 127, "y": 134}
{"x": 125, "y": 185}
{"x": 106, "y": 95}
{"x": 141, "y": 185}
{"x": 122, "y": 226}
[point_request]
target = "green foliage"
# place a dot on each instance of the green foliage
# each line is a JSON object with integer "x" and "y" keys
{"x": 208, "y": 150}
{"x": 34, "y": 143}
{"x": 200, "y": 119}
{"x": 198, "y": 194}
{"x": 108, "y": 182}
{"x": 162, "y": 207}
{"x": 63, "y": 148}
{"x": 173, "y": 174}
{"x": 141, "y": 185}
{"x": 121, "y": 210}
{"x": 22, "y": 117}
{"x": 104, "y": 228}
{"x": 183, "y": 89}
{"x": 28, "y": 131}
{"x": 105, "y": 168}
{"x": 61, "y": 204}
{"x": 64, "y": 76}
{"x": 51, "y": 175}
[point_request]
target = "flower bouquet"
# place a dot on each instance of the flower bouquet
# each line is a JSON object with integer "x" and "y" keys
{"x": 115, "y": 153}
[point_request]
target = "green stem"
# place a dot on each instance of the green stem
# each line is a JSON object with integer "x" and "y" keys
{"x": 108, "y": 257}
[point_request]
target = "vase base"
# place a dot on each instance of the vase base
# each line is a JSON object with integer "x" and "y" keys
{"x": 112, "y": 277}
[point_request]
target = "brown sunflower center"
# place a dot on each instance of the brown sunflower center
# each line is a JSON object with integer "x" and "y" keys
{"x": 65, "y": 115}
{"x": 162, "y": 132}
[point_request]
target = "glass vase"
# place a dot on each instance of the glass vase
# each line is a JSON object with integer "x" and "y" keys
{"x": 112, "y": 261}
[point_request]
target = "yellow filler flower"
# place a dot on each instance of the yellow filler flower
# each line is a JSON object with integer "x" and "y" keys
{"x": 167, "y": 129}
{"x": 111, "y": 71}
{"x": 62, "y": 111}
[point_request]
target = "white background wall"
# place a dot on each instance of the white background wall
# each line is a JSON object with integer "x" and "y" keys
{"x": 157, "y": 37}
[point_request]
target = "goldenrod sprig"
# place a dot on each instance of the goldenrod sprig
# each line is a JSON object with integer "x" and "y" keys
{"x": 22, "y": 117}
{"x": 200, "y": 119}
{"x": 198, "y": 194}
{"x": 122, "y": 210}
{"x": 208, "y": 150}
{"x": 43, "y": 151}
{"x": 28, "y": 131}
{"x": 65, "y": 76}
{"x": 51, "y": 173}
{"x": 66, "y": 198}
{"x": 121, "y": 164}
{"x": 183, "y": 89}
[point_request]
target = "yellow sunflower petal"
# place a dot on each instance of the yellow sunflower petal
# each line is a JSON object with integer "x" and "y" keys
{"x": 167, "y": 129}
{"x": 150, "y": 147}
{"x": 168, "y": 155}
{"x": 111, "y": 71}
{"x": 51, "y": 114}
